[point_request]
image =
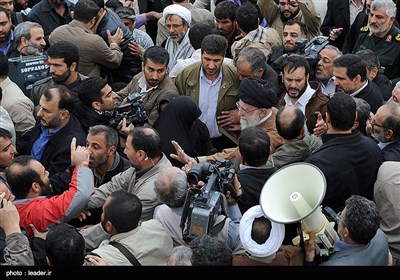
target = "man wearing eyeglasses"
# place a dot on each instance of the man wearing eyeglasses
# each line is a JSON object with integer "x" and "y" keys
{"x": 256, "y": 108}
{"x": 177, "y": 21}
{"x": 386, "y": 130}
{"x": 303, "y": 10}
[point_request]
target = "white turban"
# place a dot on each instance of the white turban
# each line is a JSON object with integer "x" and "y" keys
{"x": 178, "y": 10}
{"x": 270, "y": 246}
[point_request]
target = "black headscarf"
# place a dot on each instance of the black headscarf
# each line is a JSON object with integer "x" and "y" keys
{"x": 174, "y": 123}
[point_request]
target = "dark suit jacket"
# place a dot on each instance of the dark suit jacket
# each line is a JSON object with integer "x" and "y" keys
{"x": 337, "y": 15}
{"x": 350, "y": 163}
{"x": 391, "y": 152}
{"x": 372, "y": 94}
{"x": 57, "y": 154}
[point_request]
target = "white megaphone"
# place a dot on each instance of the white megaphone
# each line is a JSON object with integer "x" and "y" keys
{"x": 294, "y": 193}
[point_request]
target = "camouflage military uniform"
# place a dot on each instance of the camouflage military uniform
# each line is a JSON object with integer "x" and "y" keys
{"x": 387, "y": 49}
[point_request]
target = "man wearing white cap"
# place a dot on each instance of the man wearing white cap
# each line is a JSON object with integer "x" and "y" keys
{"x": 262, "y": 240}
{"x": 177, "y": 21}
{"x": 198, "y": 15}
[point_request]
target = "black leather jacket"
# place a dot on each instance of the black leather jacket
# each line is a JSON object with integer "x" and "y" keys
{"x": 130, "y": 64}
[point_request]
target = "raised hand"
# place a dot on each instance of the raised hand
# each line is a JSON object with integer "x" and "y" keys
{"x": 180, "y": 154}
{"x": 79, "y": 155}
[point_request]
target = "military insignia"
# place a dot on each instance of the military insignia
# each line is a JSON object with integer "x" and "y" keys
{"x": 389, "y": 38}
{"x": 364, "y": 28}
{"x": 397, "y": 37}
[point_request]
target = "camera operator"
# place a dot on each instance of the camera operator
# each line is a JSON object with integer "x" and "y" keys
{"x": 171, "y": 188}
{"x": 292, "y": 31}
{"x": 152, "y": 83}
{"x": 96, "y": 97}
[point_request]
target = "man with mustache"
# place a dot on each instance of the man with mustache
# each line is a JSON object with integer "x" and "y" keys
{"x": 177, "y": 22}
{"x": 278, "y": 12}
{"x": 6, "y": 32}
{"x": 324, "y": 69}
{"x": 302, "y": 94}
{"x": 29, "y": 39}
{"x": 49, "y": 141}
{"x": 152, "y": 83}
{"x": 381, "y": 36}
{"x": 63, "y": 59}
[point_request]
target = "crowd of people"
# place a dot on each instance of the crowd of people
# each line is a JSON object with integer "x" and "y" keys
{"x": 151, "y": 137}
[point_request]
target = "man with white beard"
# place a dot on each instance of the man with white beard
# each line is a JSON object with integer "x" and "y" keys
{"x": 256, "y": 105}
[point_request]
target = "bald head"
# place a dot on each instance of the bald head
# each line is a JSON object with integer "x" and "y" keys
{"x": 171, "y": 187}
{"x": 290, "y": 123}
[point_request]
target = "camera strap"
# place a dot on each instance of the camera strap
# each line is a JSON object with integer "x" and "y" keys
{"x": 218, "y": 227}
{"x": 189, "y": 198}
{"x": 132, "y": 259}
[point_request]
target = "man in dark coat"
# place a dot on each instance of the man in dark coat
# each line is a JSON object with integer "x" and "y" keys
{"x": 351, "y": 77}
{"x": 51, "y": 14}
{"x": 349, "y": 160}
{"x": 50, "y": 140}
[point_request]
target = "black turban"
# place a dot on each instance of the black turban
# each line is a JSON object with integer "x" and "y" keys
{"x": 258, "y": 93}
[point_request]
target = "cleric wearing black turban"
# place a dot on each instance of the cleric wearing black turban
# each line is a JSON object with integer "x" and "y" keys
{"x": 258, "y": 93}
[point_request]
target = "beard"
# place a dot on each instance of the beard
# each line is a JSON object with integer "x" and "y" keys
{"x": 53, "y": 124}
{"x": 5, "y": 38}
{"x": 251, "y": 121}
{"x": 45, "y": 188}
{"x": 380, "y": 137}
{"x": 297, "y": 92}
{"x": 99, "y": 161}
{"x": 33, "y": 50}
{"x": 380, "y": 29}
{"x": 61, "y": 78}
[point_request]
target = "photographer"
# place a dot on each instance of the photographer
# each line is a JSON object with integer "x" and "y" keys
{"x": 96, "y": 97}
{"x": 292, "y": 31}
{"x": 152, "y": 83}
{"x": 171, "y": 188}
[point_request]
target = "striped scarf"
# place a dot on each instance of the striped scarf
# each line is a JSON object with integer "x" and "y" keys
{"x": 178, "y": 51}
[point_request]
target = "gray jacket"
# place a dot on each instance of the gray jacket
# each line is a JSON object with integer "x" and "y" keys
{"x": 294, "y": 151}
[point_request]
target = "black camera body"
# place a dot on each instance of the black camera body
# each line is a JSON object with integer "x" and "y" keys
{"x": 307, "y": 49}
{"x": 132, "y": 111}
{"x": 310, "y": 50}
{"x": 207, "y": 203}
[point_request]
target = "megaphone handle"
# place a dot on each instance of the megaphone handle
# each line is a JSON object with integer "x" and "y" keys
{"x": 300, "y": 232}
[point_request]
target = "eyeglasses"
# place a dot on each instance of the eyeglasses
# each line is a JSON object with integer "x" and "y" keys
{"x": 240, "y": 108}
{"x": 173, "y": 26}
{"x": 378, "y": 125}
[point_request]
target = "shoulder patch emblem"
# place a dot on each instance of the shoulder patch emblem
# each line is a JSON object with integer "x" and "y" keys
{"x": 397, "y": 37}
{"x": 364, "y": 28}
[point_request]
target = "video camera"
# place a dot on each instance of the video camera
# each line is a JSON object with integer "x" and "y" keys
{"x": 310, "y": 49}
{"x": 132, "y": 111}
{"x": 307, "y": 49}
{"x": 26, "y": 70}
{"x": 207, "y": 203}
